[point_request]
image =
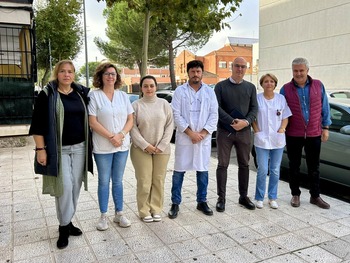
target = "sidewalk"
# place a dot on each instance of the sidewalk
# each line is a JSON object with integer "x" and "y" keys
{"x": 29, "y": 228}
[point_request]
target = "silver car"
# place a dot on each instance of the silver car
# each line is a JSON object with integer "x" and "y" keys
{"x": 335, "y": 153}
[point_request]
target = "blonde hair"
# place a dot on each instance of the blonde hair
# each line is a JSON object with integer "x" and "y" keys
{"x": 59, "y": 64}
{"x": 268, "y": 75}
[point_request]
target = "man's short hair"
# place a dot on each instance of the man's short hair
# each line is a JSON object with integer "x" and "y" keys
{"x": 301, "y": 61}
{"x": 195, "y": 64}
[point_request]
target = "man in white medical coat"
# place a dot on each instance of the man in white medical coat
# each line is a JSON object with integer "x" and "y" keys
{"x": 195, "y": 109}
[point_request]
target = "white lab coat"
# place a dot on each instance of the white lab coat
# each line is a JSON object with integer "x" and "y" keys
{"x": 189, "y": 156}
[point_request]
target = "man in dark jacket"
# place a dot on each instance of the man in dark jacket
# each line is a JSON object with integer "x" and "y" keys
{"x": 237, "y": 110}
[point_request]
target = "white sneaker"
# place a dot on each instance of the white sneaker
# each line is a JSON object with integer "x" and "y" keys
{"x": 157, "y": 218}
{"x": 147, "y": 219}
{"x": 273, "y": 204}
{"x": 121, "y": 220}
{"x": 102, "y": 223}
{"x": 259, "y": 204}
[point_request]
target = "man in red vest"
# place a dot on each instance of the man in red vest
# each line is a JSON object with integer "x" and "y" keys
{"x": 307, "y": 128}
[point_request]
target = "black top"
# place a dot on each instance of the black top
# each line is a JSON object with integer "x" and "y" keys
{"x": 73, "y": 126}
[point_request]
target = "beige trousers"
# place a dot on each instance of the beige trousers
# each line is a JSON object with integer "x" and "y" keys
{"x": 150, "y": 171}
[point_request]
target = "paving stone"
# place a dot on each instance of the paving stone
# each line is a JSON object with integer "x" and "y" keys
{"x": 268, "y": 229}
{"x": 31, "y": 250}
{"x": 201, "y": 229}
{"x": 338, "y": 247}
{"x": 317, "y": 254}
{"x": 217, "y": 241}
{"x": 143, "y": 242}
{"x": 244, "y": 235}
{"x": 264, "y": 248}
{"x": 290, "y": 241}
{"x": 94, "y": 237}
{"x": 285, "y": 258}
{"x": 236, "y": 254}
{"x": 212, "y": 258}
{"x": 174, "y": 235}
{"x": 29, "y": 225}
{"x": 335, "y": 228}
{"x": 107, "y": 250}
{"x": 79, "y": 255}
{"x": 35, "y": 235}
{"x": 40, "y": 259}
{"x": 314, "y": 235}
{"x": 188, "y": 249}
{"x": 157, "y": 255}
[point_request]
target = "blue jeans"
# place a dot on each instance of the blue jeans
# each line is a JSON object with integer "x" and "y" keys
{"x": 111, "y": 165}
{"x": 202, "y": 186}
{"x": 269, "y": 160}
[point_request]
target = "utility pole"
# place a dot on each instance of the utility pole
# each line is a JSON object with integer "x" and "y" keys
{"x": 86, "y": 51}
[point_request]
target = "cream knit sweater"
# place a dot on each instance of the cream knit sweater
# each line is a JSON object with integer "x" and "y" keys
{"x": 153, "y": 124}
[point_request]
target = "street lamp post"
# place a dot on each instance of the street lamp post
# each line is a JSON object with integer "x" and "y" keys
{"x": 86, "y": 51}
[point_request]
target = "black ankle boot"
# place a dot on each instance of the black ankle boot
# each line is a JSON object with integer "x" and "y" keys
{"x": 62, "y": 241}
{"x": 73, "y": 230}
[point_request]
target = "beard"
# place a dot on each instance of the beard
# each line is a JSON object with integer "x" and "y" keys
{"x": 195, "y": 80}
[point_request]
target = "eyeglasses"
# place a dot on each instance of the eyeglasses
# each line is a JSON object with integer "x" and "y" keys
{"x": 240, "y": 66}
{"x": 107, "y": 74}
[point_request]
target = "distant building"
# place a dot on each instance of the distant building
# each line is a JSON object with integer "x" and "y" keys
{"x": 217, "y": 64}
{"x": 131, "y": 77}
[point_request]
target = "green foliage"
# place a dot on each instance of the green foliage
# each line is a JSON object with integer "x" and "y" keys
{"x": 92, "y": 69}
{"x": 125, "y": 31}
{"x": 178, "y": 23}
{"x": 57, "y": 24}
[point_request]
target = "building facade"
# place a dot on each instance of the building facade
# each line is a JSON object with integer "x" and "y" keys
{"x": 315, "y": 29}
{"x": 218, "y": 63}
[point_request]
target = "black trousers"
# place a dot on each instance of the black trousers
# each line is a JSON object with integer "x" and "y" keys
{"x": 312, "y": 149}
{"x": 242, "y": 142}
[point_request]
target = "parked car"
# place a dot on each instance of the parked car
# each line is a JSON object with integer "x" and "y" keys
{"x": 340, "y": 94}
{"x": 133, "y": 97}
{"x": 335, "y": 153}
{"x": 165, "y": 94}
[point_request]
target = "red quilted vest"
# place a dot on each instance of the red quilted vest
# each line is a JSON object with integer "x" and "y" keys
{"x": 297, "y": 126}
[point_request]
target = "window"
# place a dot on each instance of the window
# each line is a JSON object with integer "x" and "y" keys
{"x": 9, "y": 46}
{"x": 230, "y": 65}
{"x": 222, "y": 64}
{"x": 339, "y": 118}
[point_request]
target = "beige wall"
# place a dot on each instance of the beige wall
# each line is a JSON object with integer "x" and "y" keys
{"x": 318, "y": 30}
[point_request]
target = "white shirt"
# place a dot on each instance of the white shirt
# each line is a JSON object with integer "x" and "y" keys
{"x": 197, "y": 110}
{"x": 270, "y": 115}
{"x": 112, "y": 115}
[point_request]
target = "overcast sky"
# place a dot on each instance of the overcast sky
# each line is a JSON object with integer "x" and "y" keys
{"x": 246, "y": 25}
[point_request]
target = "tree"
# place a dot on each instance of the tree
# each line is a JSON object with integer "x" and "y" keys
{"x": 92, "y": 69}
{"x": 125, "y": 45}
{"x": 199, "y": 17}
{"x": 59, "y": 33}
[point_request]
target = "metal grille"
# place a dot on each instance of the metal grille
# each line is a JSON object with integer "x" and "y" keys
{"x": 16, "y": 52}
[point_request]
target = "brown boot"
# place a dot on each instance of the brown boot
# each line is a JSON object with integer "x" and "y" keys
{"x": 295, "y": 201}
{"x": 319, "y": 202}
{"x": 62, "y": 241}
